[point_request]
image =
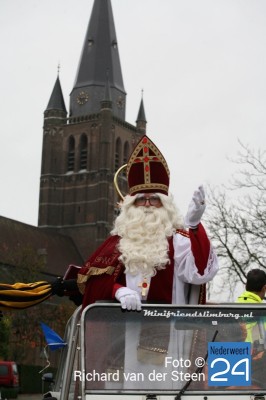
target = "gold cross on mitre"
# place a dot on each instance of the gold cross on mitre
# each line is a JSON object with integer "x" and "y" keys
{"x": 147, "y": 169}
{"x": 144, "y": 285}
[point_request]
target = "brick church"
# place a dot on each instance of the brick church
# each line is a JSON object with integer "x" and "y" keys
{"x": 82, "y": 149}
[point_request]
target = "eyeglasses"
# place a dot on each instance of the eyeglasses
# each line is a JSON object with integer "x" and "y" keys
{"x": 142, "y": 200}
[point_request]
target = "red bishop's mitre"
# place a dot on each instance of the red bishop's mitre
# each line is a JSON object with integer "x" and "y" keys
{"x": 147, "y": 170}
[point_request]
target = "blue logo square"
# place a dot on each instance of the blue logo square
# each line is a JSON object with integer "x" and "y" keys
{"x": 229, "y": 364}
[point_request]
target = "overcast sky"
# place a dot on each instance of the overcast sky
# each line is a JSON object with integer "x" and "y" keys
{"x": 201, "y": 63}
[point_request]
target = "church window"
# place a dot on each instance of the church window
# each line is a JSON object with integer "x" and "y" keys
{"x": 126, "y": 153}
{"x": 71, "y": 154}
{"x": 125, "y": 156}
{"x": 118, "y": 148}
{"x": 83, "y": 152}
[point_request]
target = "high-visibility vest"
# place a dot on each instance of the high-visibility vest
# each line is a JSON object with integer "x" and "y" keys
{"x": 249, "y": 297}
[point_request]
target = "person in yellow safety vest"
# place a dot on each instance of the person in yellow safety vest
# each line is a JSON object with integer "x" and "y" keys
{"x": 254, "y": 293}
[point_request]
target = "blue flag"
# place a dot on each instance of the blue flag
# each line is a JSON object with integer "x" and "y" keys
{"x": 54, "y": 341}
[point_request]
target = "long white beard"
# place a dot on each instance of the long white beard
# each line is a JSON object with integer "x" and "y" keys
{"x": 144, "y": 233}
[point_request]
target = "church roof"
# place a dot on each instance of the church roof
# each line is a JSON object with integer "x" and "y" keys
{"x": 56, "y": 250}
{"x": 56, "y": 101}
{"x": 100, "y": 50}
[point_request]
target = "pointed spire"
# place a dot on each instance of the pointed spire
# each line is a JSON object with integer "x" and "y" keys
{"x": 141, "y": 114}
{"x": 56, "y": 101}
{"x": 107, "y": 94}
{"x": 55, "y": 113}
{"x": 99, "y": 53}
{"x": 107, "y": 100}
{"x": 141, "y": 118}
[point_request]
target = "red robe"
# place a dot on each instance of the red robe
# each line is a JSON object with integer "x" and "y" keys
{"x": 103, "y": 272}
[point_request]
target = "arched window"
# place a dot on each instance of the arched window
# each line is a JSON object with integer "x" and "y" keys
{"x": 118, "y": 149}
{"x": 71, "y": 154}
{"x": 83, "y": 152}
{"x": 126, "y": 153}
{"x": 125, "y": 156}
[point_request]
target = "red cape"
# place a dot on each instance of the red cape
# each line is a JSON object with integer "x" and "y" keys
{"x": 103, "y": 270}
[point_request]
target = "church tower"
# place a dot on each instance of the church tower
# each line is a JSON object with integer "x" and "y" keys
{"x": 83, "y": 149}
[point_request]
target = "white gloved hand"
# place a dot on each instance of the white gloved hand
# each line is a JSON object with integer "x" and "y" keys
{"x": 128, "y": 298}
{"x": 196, "y": 208}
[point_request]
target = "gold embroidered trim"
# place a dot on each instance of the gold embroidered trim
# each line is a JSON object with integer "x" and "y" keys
{"x": 202, "y": 293}
{"x": 92, "y": 271}
{"x": 151, "y": 146}
{"x": 155, "y": 186}
{"x": 183, "y": 233}
{"x": 152, "y": 355}
{"x": 155, "y": 349}
{"x": 142, "y": 154}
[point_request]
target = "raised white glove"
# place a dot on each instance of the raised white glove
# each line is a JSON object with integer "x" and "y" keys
{"x": 128, "y": 298}
{"x": 196, "y": 208}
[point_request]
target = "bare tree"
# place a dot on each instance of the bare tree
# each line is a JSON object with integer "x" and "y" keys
{"x": 236, "y": 219}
